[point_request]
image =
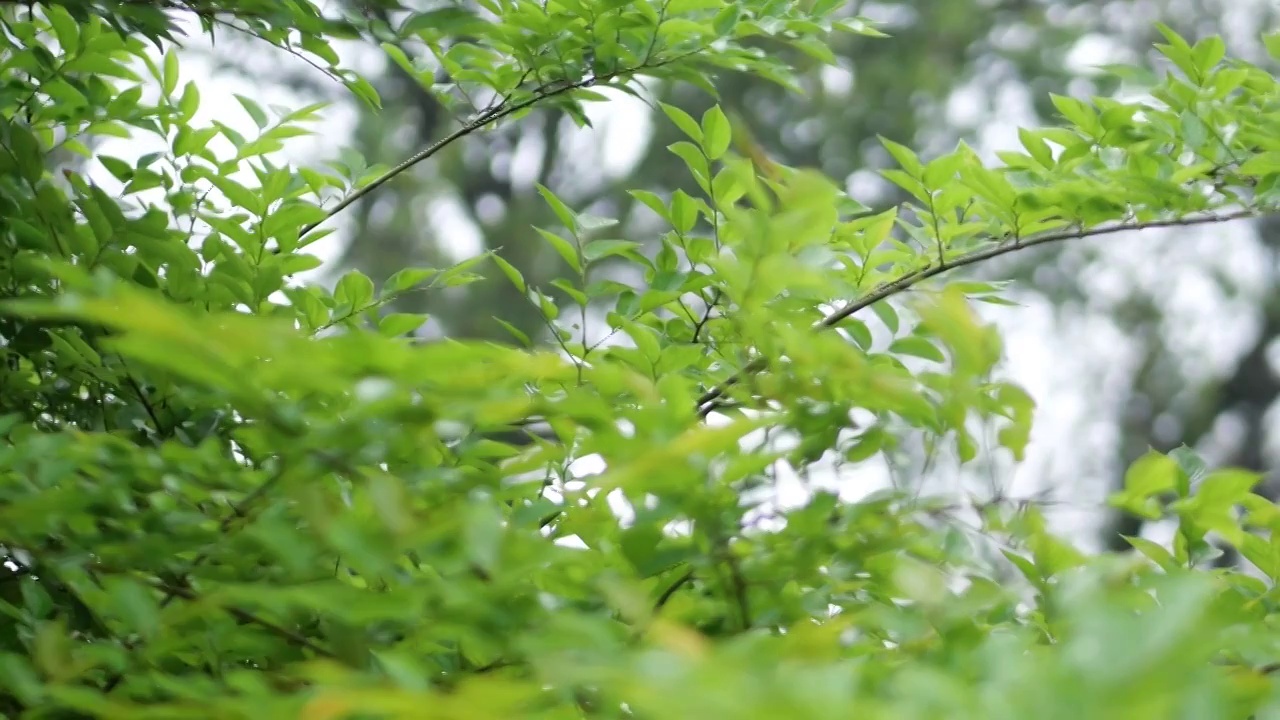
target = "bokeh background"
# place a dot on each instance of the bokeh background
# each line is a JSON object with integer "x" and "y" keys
{"x": 1128, "y": 342}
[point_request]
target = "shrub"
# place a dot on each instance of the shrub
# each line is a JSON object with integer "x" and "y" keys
{"x": 226, "y": 493}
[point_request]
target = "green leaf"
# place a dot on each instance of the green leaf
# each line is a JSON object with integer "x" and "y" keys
{"x": 25, "y": 149}
{"x": 137, "y": 605}
{"x": 515, "y": 332}
{"x": 1178, "y": 51}
{"x": 483, "y": 534}
{"x": 905, "y": 156}
{"x": 1076, "y": 112}
{"x": 406, "y": 279}
{"x": 860, "y": 333}
{"x": 255, "y": 112}
{"x": 64, "y": 28}
{"x": 1192, "y": 466}
{"x": 317, "y": 46}
{"x": 652, "y": 201}
{"x": 1194, "y": 132}
{"x": 354, "y": 289}
{"x": 1208, "y": 52}
{"x": 859, "y": 26}
{"x": 563, "y": 248}
{"x": 578, "y": 297}
{"x": 1151, "y": 475}
{"x": 118, "y": 168}
{"x": 728, "y": 187}
{"x": 19, "y": 678}
{"x": 1272, "y": 42}
{"x": 726, "y": 21}
{"x": 362, "y": 89}
{"x": 299, "y": 263}
{"x": 683, "y": 121}
{"x": 1226, "y": 487}
{"x": 716, "y": 133}
{"x": 242, "y": 196}
{"x": 1036, "y": 147}
{"x": 1153, "y": 551}
{"x": 189, "y": 103}
{"x": 562, "y": 211}
{"x": 917, "y": 347}
{"x": 1265, "y": 163}
{"x": 396, "y": 324}
{"x": 510, "y": 271}
{"x": 599, "y": 249}
{"x": 694, "y": 160}
{"x": 887, "y": 315}
{"x": 684, "y": 212}
{"x": 169, "y": 78}
{"x": 588, "y": 223}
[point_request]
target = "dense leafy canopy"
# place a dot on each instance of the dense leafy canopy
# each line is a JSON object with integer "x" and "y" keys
{"x": 227, "y": 493}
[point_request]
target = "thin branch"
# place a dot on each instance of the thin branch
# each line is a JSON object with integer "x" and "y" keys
{"x": 249, "y": 618}
{"x": 245, "y": 31}
{"x": 737, "y": 582}
{"x": 481, "y": 122}
{"x": 145, "y": 402}
{"x": 700, "y": 325}
{"x": 670, "y": 592}
{"x": 708, "y": 402}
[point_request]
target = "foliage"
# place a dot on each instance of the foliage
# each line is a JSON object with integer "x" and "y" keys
{"x": 868, "y": 88}
{"x": 964, "y": 69}
{"x": 230, "y": 494}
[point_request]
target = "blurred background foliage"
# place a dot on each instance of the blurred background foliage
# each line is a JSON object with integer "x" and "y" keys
{"x": 952, "y": 70}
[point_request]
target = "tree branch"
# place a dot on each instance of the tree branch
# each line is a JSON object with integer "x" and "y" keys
{"x": 671, "y": 590}
{"x": 709, "y": 401}
{"x": 484, "y": 119}
{"x": 249, "y": 618}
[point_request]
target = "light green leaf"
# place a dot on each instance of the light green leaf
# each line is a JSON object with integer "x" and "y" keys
{"x": 1151, "y": 474}
{"x": 255, "y": 112}
{"x": 598, "y": 249}
{"x": 169, "y": 78}
{"x": 1272, "y": 42}
{"x": 396, "y": 324}
{"x": 355, "y": 289}
{"x": 562, "y": 211}
{"x": 407, "y": 278}
{"x": 684, "y": 121}
{"x": 563, "y": 248}
{"x": 511, "y": 272}
{"x": 716, "y": 133}
{"x": 905, "y": 156}
{"x": 917, "y": 347}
